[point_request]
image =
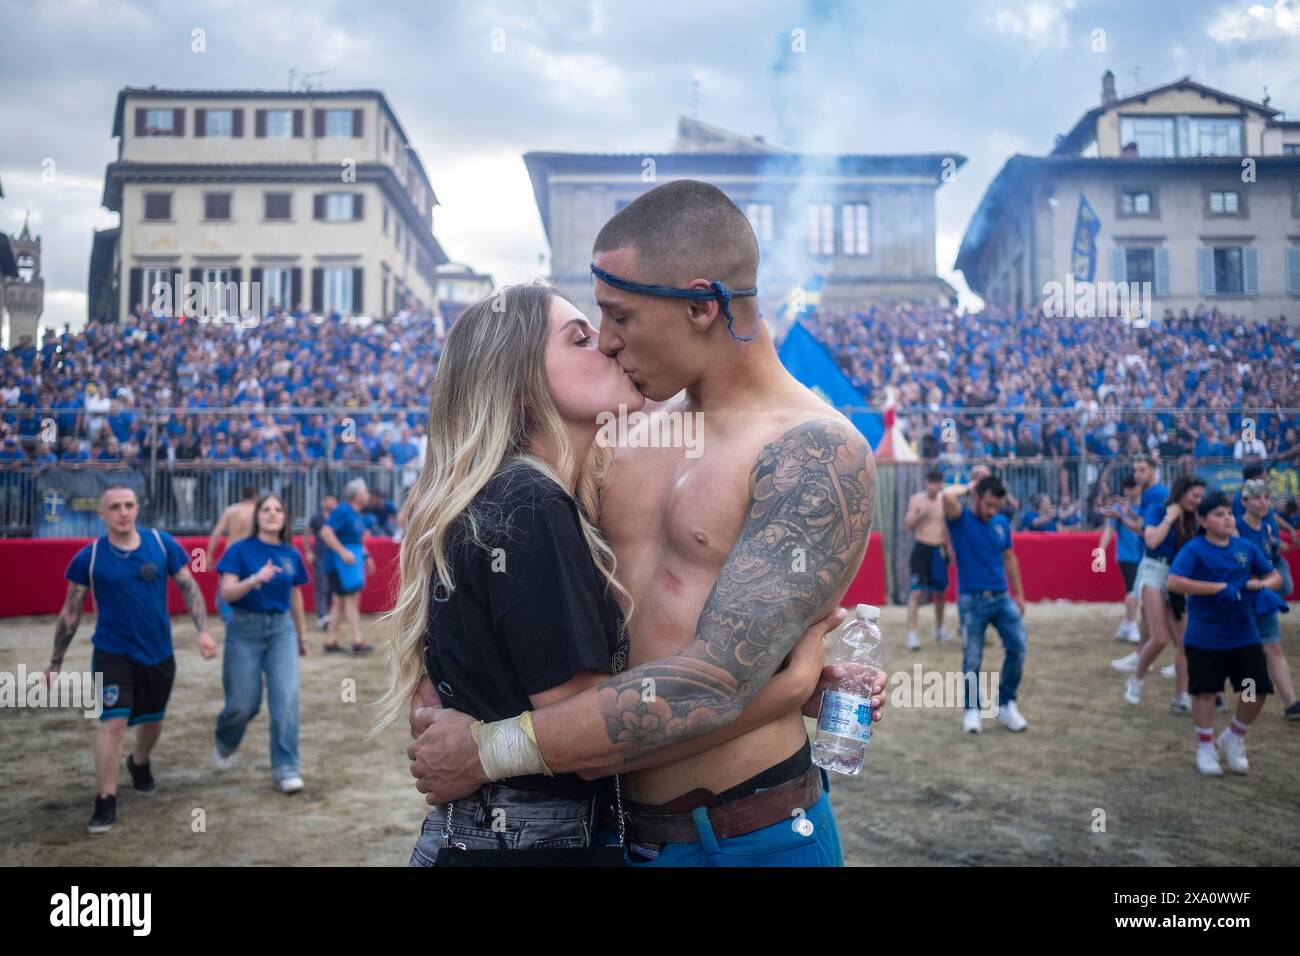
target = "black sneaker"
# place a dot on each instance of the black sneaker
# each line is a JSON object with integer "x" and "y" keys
{"x": 141, "y": 777}
{"x": 105, "y": 813}
{"x": 361, "y": 650}
{"x": 1292, "y": 712}
{"x": 334, "y": 649}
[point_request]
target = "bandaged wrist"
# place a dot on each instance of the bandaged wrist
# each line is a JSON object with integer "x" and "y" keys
{"x": 508, "y": 748}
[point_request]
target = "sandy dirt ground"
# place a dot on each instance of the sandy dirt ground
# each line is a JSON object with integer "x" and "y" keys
{"x": 928, "y": 796}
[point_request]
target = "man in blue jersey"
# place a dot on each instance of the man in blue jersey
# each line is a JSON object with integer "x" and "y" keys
{"x": 1221, "y": 575}
{"x": 981, "y": 539}
{"x": 126, "y": 573}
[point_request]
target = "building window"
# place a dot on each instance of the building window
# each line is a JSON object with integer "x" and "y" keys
{"x": 385, "y": 137}
{"x": 855, "y": 220}
{"x": 759, "y": 215}
{"x": 277, "y": 206}
{"x": 219, "y": 123}
{"x": 1228, "y": 271}
{"x": 159, "y": 122}
{"x": 277, "y": 287}
{"x": 216, "y": 297}
{"x": 157, "y": 205}
{"x": 338, "y": 206}
{"x": 338, "y": 290}
{"x": 1225, "y": 202}
{"x": 216, "y": 205}
{"x": 821, "y": 229}
{"x": 1153, "y": 135}
{"x": 1291, "y": 149}
{"x": 1209, "y": 137}
{"x": 156, "y": 283}
{"x": 1136, "y": 203}
{"x": 397, "y": 235}
{"x": 338, "y": 123}
{"x": 279, "y": 124}
{"x": 385, "y": 220}
{"x": 1140, "y": 265}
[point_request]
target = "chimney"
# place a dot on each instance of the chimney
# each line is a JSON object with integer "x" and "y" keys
{"x": 1108, "y": 88}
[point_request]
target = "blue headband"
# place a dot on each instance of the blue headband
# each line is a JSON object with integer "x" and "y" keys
{"x": 718, "y": 291}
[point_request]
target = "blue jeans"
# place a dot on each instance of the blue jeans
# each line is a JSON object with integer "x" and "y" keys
{"x": 978, "y": 611}
{"x": 257, "y": 644}
{"x": 501, "y": 817}
{"x": 779, "y": 844}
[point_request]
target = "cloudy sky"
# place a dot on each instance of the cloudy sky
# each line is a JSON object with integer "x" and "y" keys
{"x": 984, "y": 78}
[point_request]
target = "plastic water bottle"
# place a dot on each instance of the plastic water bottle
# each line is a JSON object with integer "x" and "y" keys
{"x": 844, "y": 723}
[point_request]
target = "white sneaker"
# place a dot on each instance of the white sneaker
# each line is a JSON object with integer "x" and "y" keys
{"x": 1127, "y": 664}
{"x": 1134, "y": 635}
{"x": 220, "y": 762}
{"x": 941, "y": 636}
{"x": 1180, "y": 704}
{"x": 1168, "y": 671}
{"x": 1234, "y": 749}
{"x": 912, "y": 643}
{"x": 1207, "y": 763}
{"x": 289, "y": 784}
{"x": 1011, "y": 718}
{"x": 970, "y": 723}
{"x": 1133, "y": 690}
{"x": 1122, "y": 632}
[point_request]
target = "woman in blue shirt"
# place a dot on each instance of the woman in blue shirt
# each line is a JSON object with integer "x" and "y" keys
{"x": 261, "y": 579}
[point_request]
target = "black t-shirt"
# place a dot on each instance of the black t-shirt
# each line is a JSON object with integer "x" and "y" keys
{"x": 529, "y": 611}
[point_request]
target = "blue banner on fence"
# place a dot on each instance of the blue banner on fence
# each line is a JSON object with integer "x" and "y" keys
{"x": 1283, "y": 480}
{"x": 811, "y": 363}
{"x": 67, "y": 500}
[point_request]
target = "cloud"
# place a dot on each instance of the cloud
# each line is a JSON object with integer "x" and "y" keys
{"x": 1040, "y": 23}
{"x": 1256, "y": 22}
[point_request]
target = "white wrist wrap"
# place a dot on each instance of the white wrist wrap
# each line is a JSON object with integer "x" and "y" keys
{"x": 506, "y": 749}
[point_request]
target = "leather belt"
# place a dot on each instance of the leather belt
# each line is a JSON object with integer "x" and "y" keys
{"x": 672, "y": 822}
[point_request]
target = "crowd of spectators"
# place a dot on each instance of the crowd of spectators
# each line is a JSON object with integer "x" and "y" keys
{"x": 1022, "y": 386}
{"x": 87, "y": 396}
{"x": 1070, "y": 395}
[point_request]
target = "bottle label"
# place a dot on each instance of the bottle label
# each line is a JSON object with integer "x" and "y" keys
{"x": 845, "y": 715}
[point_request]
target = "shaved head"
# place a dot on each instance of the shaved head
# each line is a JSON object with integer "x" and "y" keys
{"x": 685, "y": 230}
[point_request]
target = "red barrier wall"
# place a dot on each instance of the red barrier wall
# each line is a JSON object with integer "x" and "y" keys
{"x": 1054, "y": 565}
{"x": 1058, "y": 564}
{"x": 869, "y": 585}
{"x": 34, "y": 584}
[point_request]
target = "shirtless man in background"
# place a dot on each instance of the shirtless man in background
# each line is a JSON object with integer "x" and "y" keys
{"x": 729, "y": 556}
{"x": 931, "y": 556}
{"x": 236, "y": 523}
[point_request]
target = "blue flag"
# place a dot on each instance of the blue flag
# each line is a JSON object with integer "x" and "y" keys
{"x": 811, "y": 363}
{"x": 1083, "y": 254}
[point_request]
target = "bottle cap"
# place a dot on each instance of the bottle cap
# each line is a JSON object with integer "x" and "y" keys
{"x": 868, "y": 612}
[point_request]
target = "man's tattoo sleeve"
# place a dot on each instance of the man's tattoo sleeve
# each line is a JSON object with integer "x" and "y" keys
{"x": 65, "y": 626}
{"x": 812, "y": 499}
{"x": 193, "y": 598}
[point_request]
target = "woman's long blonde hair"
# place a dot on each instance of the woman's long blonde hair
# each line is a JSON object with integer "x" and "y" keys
{"x": 489, "y": 406}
